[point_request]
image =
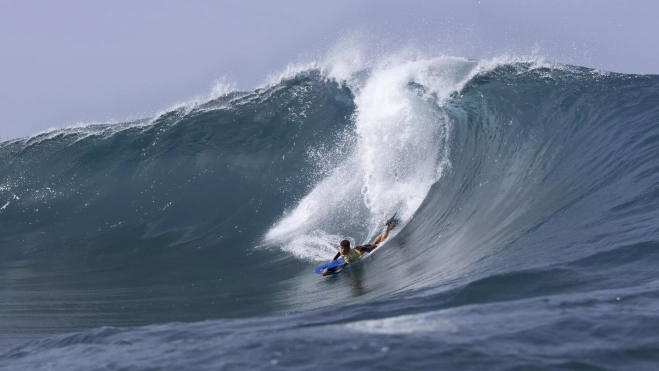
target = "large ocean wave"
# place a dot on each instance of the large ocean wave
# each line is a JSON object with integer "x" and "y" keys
{"x": 529, "y": 239}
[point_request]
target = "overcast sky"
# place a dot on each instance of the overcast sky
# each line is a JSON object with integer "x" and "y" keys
{"x": 68, "y": 62}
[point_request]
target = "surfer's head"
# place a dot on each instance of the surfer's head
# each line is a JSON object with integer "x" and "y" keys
{"x": 345, "y": 246}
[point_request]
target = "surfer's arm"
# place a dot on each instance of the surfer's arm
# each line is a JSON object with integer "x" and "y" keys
{"x": 336, "y": 256}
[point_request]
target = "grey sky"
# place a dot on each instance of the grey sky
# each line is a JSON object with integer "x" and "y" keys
{"x": 69, "y": 62}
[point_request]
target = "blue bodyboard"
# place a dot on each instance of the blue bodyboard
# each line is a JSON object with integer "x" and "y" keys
{"x": 333, "y": 267}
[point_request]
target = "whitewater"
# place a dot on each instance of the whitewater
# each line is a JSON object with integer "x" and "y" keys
{"x": 528, "y": 191}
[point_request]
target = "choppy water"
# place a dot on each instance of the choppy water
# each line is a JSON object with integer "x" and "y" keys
{"x": 529, "y": 193}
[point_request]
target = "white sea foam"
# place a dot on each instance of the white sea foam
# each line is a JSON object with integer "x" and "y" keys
{"x": 401, "y": 149}
{"x": 401, "y": 143}
{"x": 462, "y": 321}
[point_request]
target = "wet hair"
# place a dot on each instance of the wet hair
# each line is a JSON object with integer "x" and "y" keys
{"x": 345, "y": 243}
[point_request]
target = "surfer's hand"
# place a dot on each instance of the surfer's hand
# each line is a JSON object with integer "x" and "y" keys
{"x": 325, "y": 272}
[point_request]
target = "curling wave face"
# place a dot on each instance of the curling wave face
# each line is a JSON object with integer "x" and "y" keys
{"x": 528, "y": 193}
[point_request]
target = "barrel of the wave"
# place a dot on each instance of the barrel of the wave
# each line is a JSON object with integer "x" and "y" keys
{"x": 336, "y": 266}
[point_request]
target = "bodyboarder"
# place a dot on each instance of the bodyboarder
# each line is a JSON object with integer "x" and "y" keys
{"x": 350, "y": 255}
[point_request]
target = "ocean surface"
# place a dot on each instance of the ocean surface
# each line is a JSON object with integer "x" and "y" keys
{"x": 529, "y": 193}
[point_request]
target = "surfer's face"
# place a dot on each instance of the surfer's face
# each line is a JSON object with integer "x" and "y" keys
{"x": 345, "y": 249}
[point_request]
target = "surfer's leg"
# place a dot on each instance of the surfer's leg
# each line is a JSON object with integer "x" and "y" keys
{"x": 381, "y": 237}
{"x": 365, "y": 249}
